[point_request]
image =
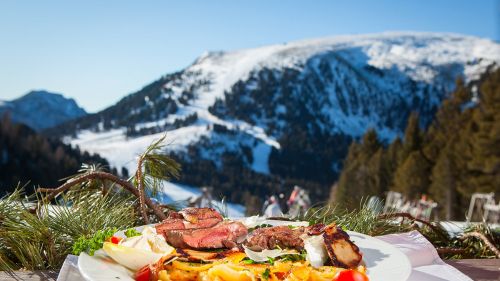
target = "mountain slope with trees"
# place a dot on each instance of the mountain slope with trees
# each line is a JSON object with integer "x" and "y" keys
{"x": 458, "y": 154}
{"x": 284, "y": 114}
{"x": 27, "y": 157}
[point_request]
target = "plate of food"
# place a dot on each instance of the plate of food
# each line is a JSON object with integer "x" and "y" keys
{"x": 199, "y": 244}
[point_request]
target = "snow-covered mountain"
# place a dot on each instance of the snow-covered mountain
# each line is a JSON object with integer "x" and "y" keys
{"x": 41, "y": 109}
{"x": 287, "y": 111}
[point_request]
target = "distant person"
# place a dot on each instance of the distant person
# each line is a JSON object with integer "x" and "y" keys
{"x": 300, "y": 203}
{"x": 265, "y": 205}
{"x": 282, "y": 202}
{"x": 274, "y": 209}
{"x": 293, "y": 196}
{"x": 205, "y": 199}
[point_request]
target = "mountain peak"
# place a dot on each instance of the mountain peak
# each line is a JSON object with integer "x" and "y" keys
{"x": 41, "y": 109}
{"x": 288, "y": 110}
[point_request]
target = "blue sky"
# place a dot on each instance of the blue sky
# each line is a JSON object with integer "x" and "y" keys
{"x": 99, "y": 51}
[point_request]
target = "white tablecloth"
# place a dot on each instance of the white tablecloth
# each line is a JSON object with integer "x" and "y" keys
{"x": 425, "y": 261}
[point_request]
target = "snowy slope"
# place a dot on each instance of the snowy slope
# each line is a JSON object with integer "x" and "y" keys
{"x": 255, "y": 101}
{"x": 41, "y": 109}
{"x": 173, "y": 192}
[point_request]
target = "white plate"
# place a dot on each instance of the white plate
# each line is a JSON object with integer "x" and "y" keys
{"x": 383, "y": 262}
{"x": 100, "y": 267}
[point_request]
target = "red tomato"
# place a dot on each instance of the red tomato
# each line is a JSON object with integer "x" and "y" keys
{"x": 280, "y": 275}
{"x": 143, "y": 274}
{"x": 115, "y": 239}
{"x": 350, "y": 275}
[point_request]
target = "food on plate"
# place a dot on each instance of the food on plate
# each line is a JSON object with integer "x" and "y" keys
{"x": 138, "y": 251}
{"x": 199, "y": 244}
{"x": 222, "y": 235}
{"x": 276, "y": 237}
{"x": 342, "y": 251}
{"x": 190, "y": 218}
{"x": 200, "y": 228}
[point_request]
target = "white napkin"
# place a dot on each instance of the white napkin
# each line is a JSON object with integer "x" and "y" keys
{"x": 69, "y": 270}
{"x": 425, "y": 261}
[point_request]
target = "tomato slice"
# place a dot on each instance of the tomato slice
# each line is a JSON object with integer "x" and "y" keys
{"x": 143, "y": 274}
{"x": 350, "y": 275}
{"x": 280, "y": 275}
{"x": 115, "y": 239}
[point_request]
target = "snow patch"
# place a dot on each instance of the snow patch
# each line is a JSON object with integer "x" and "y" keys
{"x": 173, "y": 192}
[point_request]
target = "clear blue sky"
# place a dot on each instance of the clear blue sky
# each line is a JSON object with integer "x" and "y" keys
{"x": 98, "y": 51}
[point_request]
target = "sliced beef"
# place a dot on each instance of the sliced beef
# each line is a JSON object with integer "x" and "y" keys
{"x": 171, "y": 224}
{"x": 194, "y": 214}
{"x": 222, "y": 235}
{"x": 276, "y": 236}
{"x": 190, "y": 218}
{"x": 341, "y": 250}
{"x": 174, "y": 215}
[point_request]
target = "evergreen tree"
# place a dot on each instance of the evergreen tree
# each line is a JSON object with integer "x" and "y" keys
{"x": 412, "y": 176}
{"x": 361, "y": 175}
{"x": 390, "y": 161}
{"x": 441, "y": 149}
{"x": 450, "y": 119}
{"x": 482, "y": 141}
{"x": 412, "y": 137}
{"x": 443, "y": 184}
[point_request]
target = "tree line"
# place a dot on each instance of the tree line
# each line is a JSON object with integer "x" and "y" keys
{"x": 27, "y": 157}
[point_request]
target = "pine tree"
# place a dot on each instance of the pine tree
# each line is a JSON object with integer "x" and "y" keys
{"x": 449, "y": 120}
{"x": 441, "y": 149}
{"x": 412, "y": 176}
{"x": 378, "y": 176}
{"x": 443, "y": 184}
{"x": 412, "y": 138}
{"x": 482, "y": 137}
{"x": 390, "y": 161}
{"x": 360, "y": 176}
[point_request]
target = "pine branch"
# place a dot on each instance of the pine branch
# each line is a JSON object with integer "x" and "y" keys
{"x": 483, "y": 238}
{"x": 412, "y": 218}
{"x": 53, "y": 192}
{"x": 153, "y": 167}
{"x": 140, "y": 188}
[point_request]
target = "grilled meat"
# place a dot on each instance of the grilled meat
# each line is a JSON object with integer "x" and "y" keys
{"x": 192, "y": 215}
{"x": 171, "y": 224}
{"x": 222, "y": 235}
{"x": 190, "y": 218}
{"x": 341, "y": 250}
{"x": 276, "y": 236}
{"x": 204, "y": 228}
